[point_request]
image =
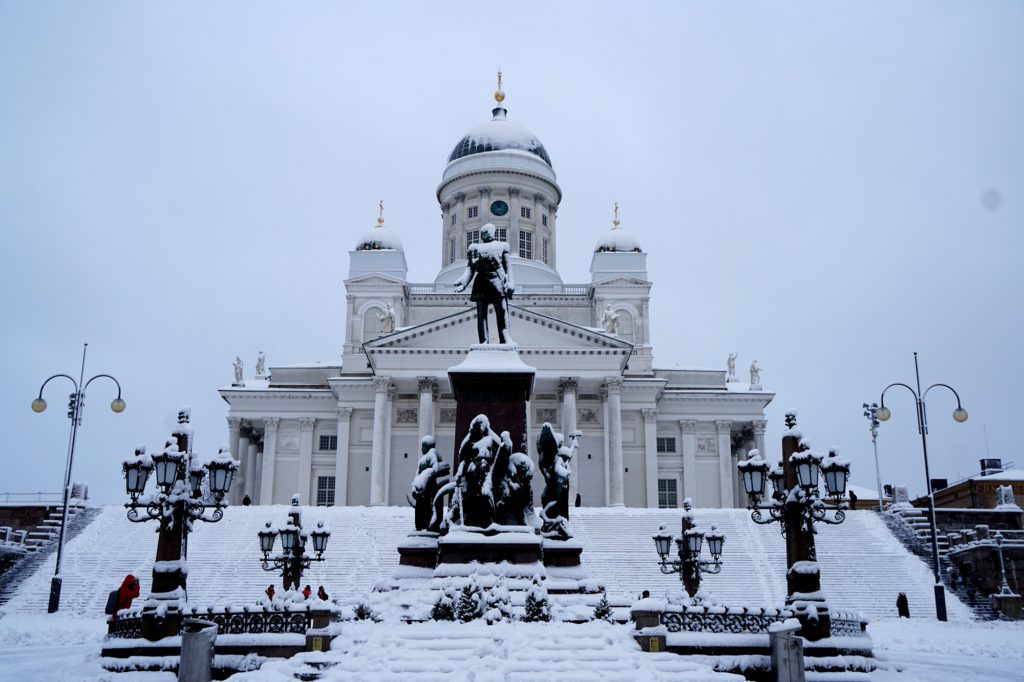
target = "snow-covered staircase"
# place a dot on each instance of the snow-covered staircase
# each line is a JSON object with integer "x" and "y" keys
{"x": 441, "y": 652}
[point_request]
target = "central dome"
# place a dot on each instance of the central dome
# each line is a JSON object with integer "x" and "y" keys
{"x": 499, "y": 134}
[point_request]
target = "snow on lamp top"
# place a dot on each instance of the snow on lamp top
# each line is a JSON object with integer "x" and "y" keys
{"x": 617, "y": 239}
{"x": 380, "y": 237}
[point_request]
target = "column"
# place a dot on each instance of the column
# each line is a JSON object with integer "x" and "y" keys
{"x": 651, "y": 456}
{"x": 270, "y": 425}
{"x": 306, "y": 425}
{"x": 428, "y": 393}
{"x": 259, "y": 475}
{"x": 250, "y": 470}
{"x": 567, "y": 392}
{"x": 377, "y": 462}
{"x": 460, "y": 225}
{"x": 243, "y": 460}
{"x": 688, "y": 433}
{"x": 759, "y": 428}
{"x": 484, "y": 204}
{"x": 615, "y": 468}
{"x": 392, "y": 394}
{"x": 513, "y": 226}
{"x": 725, "y": 467}
{"x": 234, "y": 435}
{"x": 341, "y": 461}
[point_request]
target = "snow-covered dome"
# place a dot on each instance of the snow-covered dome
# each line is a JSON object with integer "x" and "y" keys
{"x": 380, "y": 238}
{"x": 617, "y": 239}
{"x": 499, "y": 134}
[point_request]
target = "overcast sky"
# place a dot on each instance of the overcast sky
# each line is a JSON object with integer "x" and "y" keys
{"x": 823, "y": 187}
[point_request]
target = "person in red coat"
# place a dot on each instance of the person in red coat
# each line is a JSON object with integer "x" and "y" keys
{"x": 128, "y": 591}
{"x": 306, "y": 591}
{"x": 270, "y": 592}
{"x": 322, "y": 593}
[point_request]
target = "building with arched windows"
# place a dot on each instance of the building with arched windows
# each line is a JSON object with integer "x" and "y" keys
{"x": 348, "y": 433}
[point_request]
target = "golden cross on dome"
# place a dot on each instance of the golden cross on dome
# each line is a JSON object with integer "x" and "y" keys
{"x": 380, "y": 215}
{"x": 499, "y": 96}
{"x": 616, "y": 221}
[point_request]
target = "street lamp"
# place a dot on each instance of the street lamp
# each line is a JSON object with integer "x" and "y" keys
{"x": 1004, "y": 589}
{"x": 186, "y": 490}
{"x": 960, "y": 415}
{"x": 871, "y": 413}
{"x": 689, "y": 565}
{"x": 76, "y": 403}
{"x": 292, "y": 560}
{"x": 796, "y": 504}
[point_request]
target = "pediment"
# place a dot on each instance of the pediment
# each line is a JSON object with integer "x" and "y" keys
{"x": 374, "y": 279}
{"x": 622, "y": 281}
{"x": 544, "y": 342}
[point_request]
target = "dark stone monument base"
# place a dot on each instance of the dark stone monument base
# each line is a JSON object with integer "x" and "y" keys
{"x": 490, "y": 546}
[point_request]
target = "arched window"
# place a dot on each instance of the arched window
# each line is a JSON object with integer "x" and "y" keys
{"x": 372, "y": 323}
{"x": 626, "y": 326}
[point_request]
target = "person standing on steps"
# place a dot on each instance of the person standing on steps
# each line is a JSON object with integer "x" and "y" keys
{"x": 902, "y": 606}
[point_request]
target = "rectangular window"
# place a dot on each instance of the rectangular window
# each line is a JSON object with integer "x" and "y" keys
{"x": 472, "y": 237}
{"x": 451, "y": 250}
{"x": 325, "y": 491}
{"x": 472, "y": 211}
{"x": 668, "y": 498}
{"x": 328, "y": 442}
{"x": 544, "y": 219}
{"x": 544, "y": 249}
{"x": 666, "y": 444}
{"x": 501, "y": 234}
{"x": 453, "y": 217}
{"x": 524, "y": 211}
{"x": 525, "y": 244}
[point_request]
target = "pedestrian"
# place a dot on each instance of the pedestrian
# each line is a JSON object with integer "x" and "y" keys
{"x": 270, "y": 592}
{"x": 579, "y": 500}
{"x": 853, "y": 500}
{"x": 951, "y": 572}
{"x": 128, "y": 591}
{"x": 902, "y": 606}
{"x": 306, "y": 591}
{"x": 321, "y": 594}
{"x": 246, "y": 501}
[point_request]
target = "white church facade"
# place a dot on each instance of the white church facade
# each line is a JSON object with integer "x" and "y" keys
{"x": 348, "y": 433}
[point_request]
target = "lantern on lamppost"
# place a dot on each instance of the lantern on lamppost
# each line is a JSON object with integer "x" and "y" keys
{"x": 796, "y": 505}
{"x": 293, "y": 559}
{"x": 689, "y": 565}
{"x": 187, "y": 491}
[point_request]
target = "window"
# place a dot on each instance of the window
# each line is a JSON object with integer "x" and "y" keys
{"x": 666, "y": 444}
{"x": 328, "y": 442}
{"x": 472, "y": 237}
{"x": 544, "y": 249}
{"x": 472, "y": 211}
{"x": 451, "y": 250}
{"x": 525, "y": 211}
{"x": 501, "y": 234}
{"x": 453, "y": 217}
{"x": 544, "y": 219}
{"x": 668, "y": 498}
{"x": 325, "y": 491}
{"x": 525, "y": 244}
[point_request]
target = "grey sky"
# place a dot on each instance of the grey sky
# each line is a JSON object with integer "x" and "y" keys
{"x": 823, "y": 187}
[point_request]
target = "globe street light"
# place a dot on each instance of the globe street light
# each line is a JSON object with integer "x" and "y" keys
{"x": 76, "y": 403}
{"x": 960, "y": 415}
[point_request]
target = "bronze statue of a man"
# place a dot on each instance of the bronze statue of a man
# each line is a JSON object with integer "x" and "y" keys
{"x": 487, "y": 267}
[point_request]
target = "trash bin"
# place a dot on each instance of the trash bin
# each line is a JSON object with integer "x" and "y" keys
{"x": 197, "y": 640}
{"x": 787, "y": 649}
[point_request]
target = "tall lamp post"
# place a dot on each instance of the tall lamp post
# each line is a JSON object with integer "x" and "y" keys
{"x": 796, "y": 505}
{"x": 871, "y": 413}
{"x": 292, "y": 560}
{"x": 960, "y": 415}
{"x": 76, "y": 403}
{"x": 185, "y": 490}
{"x": 689, "y": 565}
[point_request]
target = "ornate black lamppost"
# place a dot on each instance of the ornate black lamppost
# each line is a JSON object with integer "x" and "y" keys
{"x": 960, "y": 415}
{"x": 796, "y": 504}
{"x": 186, "y": 491}
{"x": 689, "y": 565}
{"x": 292, "y": 560}
{"x": 76, "y": 403}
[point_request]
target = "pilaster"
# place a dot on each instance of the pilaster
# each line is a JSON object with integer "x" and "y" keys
{"x": 651, "y": 456}
{"x": 266, "y": 488}
{"x": 306, "y": 425}
{"x": 725, "y": 466}
{"x": 341, "y": 457}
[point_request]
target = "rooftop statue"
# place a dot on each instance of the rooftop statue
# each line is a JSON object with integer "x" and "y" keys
{"x": 610, "y": 320}
{"x": 238, "y": 370}
{"x": 387, "y": 320}
{"x": 487, "y": 268}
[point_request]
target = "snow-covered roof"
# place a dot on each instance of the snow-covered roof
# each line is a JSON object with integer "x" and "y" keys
{"x": 617, "y": 239}
{"x": 380, "y": 238}
{"x": 1005, "y": 475}
{"x": 499, "y": 134}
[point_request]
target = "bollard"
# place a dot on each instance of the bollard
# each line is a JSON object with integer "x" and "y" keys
{"x": 197, "y": 640}
{"x": 787, "y": 649}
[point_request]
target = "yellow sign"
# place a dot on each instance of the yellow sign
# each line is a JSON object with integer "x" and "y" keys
{"x": 317, "y": 644}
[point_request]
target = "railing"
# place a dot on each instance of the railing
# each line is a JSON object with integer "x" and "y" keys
{"x": 560, "y": 289}
{"x": 233, "y": 622}
{"x": 719, "y": 619}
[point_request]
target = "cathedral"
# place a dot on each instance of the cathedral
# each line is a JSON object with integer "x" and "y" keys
{"x": 349, "y": 433}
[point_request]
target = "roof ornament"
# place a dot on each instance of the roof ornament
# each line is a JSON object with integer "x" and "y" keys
{"x": 615, "y": 222}
{"x": 499, "y": 94}
{"x": 380, "y": 214}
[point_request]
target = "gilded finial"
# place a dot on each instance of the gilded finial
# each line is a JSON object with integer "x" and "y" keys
{"x": 615, "y": 222}
{"x": 499, "y": 95}
{"x": 380, "y": 214}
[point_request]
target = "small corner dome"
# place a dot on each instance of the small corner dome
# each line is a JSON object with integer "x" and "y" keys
{"x": 380, "y": 238}
{"x": 617, "y": 240}
{"x": 499, "y": 134}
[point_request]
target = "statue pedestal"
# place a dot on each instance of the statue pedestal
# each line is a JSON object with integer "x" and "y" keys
{"x": 494, "y": 381}
{"x": 756, "y": 387}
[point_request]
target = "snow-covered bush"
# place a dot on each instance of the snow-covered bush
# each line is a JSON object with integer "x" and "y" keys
{"x": 444, "y": 607}
{"x": 603, "y": 610}
{"x": 364, "y": 612}
{"x": 536, "y": 606}
{"x": 497, "y": 603}
{"x": 470, "y": 604}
